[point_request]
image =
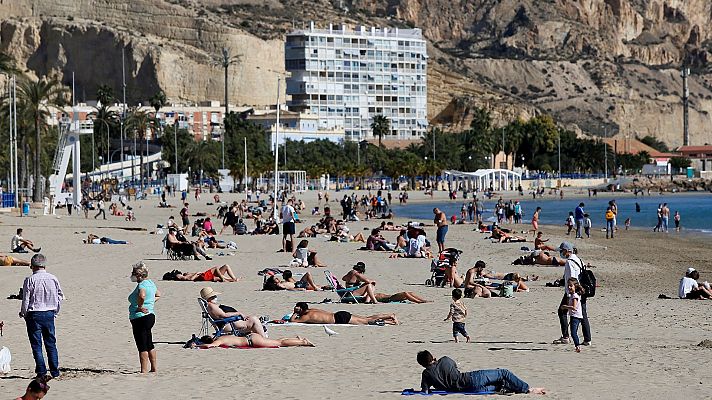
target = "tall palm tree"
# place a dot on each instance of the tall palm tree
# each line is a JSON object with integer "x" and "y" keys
{"x": 105, "y": 94}
{"x": 158, "y": 100}
{"x": 105, "y": 119}
{"x": 380, "y": 126}
{"x": 140, "y": 123}
{"x": 39, "y": 98}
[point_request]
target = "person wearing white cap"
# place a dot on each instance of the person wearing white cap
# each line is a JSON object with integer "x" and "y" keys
{"x": 690, "y": 289}
{"x": 572, "y": 269}
{"x": 248, "y": 324}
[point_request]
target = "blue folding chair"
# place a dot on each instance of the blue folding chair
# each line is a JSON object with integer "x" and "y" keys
{"x": 217, "y": 324}
{"x": 346, "y": 295}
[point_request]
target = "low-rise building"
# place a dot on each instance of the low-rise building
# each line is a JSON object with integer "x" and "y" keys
{"x": 295, "y": 126}
{"x": 701, "y": 156}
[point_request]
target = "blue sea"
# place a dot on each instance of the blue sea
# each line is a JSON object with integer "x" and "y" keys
{"x": 695, "y": 210}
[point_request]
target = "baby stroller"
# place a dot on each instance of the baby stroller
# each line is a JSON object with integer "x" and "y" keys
{"x": 438, "y": 266}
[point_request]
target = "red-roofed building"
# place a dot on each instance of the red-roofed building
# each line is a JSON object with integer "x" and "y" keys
{"x": 701, "y": 156}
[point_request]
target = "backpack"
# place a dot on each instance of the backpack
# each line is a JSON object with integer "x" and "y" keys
{"x": 588, "y": 281}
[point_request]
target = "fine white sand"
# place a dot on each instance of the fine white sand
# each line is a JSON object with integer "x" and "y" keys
{"x": 642, "y": 347}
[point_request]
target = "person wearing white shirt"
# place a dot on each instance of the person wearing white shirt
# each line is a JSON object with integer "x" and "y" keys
{"x": 18, "y": 244}
{"x": 690, "y": 289}
{"x": 572, "y": 269}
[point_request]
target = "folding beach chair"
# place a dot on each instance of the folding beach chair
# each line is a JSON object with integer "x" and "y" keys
{"x": 346, "y": 295}
{"x": 217, "y": 324}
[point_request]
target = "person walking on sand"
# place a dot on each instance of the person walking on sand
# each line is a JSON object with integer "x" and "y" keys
{"x": 441, "y": 222}
{"x": 41, "y": 300}
{"x": 100, "y": 208}
{"x": 443, "y": 374}
{"x": 141, "y": 302}
{"x": 458, "y": 313}
{"x": 535, "y": 220}
{"x": 572, "y": 269}
{"x": 573, "y": 306}
{"x": 587, "y": 225}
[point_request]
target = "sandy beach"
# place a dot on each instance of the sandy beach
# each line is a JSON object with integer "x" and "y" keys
{"x": 643, "y": 347}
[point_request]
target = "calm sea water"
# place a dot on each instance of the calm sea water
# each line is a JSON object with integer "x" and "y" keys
{"x": 695, "y": 210}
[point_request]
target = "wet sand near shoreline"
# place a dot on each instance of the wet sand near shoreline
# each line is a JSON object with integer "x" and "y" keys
{"x": 643, "y": 347}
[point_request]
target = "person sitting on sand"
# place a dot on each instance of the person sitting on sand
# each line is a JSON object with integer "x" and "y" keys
{"x": 215, "y": 274}
{"x": 690, "y": 289}
{"x": 18, "y": 244}
{"x": 94, "y": 239}
{"x": 248, "y": 324}
{"x": 10, "y": 261}
{"x": 417, "y": 245}
{"x": 356, "y": 277}
{"x": 306, "y": 257}
{"x": 310, "y": 231}
{"x": 539, "y": 243}
{"x": 303, "y": 314}
{"x": 376, "y": 242}
{"x": 207, "y": 342}
{"x": 478, "y": 274}
{"x": 443, "y": 374}
{"x": 306, "y": 282}
{"x": 36, "y": 390}
{"x": 470, "y": 283}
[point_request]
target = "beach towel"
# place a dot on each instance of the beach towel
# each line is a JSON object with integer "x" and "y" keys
{"x": 236, "y": 347}
{"x": 412, "y": 392}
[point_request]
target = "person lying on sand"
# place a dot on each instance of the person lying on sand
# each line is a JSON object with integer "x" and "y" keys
{"x": 476, "y": 275}
{"x": 215, "y": 274}
{"x": 250, "y": 340}
{"x": 94, "y": 239}
{"x": 7, "y": 261}
{"x": 504, "y": 237}
{"x": 216, "y": 310}
{"x": 443, "y": 374}
{"x": 538, "y": 257}
{"x": 306, "y": 282}
{"x": 304, "y": 315}
{"x": 356, "y": 277}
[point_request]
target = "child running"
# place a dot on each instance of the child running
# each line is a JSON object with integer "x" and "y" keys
{"x": 569, "y": 223}
{"x": 587, "y": 225}
{"x": 575, "y": 310}
{"x": 458, "y": 313}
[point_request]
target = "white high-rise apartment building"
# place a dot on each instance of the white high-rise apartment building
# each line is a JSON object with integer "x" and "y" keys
{"x": 346, "y": 77}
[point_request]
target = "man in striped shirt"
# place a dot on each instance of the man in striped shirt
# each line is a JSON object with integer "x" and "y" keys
{"x": 41, "y": 299}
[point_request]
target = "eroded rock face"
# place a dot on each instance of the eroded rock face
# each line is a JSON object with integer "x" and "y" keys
{"x": 587, "y": 62}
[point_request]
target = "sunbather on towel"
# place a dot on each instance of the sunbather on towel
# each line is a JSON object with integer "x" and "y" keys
{"x": 7, "y": 261}
{"x": 252, "y": 341}
{"x": 289, "y": 283}
{"x": 216, "y": 310}
{"x": 356, "y": 277}
{"x": 215, "y": 274}
{"x": 443, "y": 374}
{"x": 304, "y": 315}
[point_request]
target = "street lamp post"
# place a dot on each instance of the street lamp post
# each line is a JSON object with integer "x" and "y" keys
{"x": 605, "y": 151}
{"x": 559, "y": 140}
{"x": 175, "y": 143}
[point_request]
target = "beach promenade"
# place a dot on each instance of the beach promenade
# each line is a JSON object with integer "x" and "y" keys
{"x": 643, "y": 347}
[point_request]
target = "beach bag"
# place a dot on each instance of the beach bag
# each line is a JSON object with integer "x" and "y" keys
{"x": 5, "y": 358}
{"x": 587, "y": 280}
{"x": 506, "y": 290}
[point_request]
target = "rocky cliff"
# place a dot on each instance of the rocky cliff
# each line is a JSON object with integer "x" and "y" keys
{"x": 590, "y": 63}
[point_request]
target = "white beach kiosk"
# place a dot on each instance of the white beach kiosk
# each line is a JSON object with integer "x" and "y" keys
{"x": 497, "y": 179}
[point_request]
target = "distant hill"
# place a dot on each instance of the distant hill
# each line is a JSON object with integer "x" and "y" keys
{"x": 584, "y": 61}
